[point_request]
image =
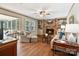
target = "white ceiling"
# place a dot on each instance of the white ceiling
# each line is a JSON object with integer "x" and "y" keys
{"x": 29, "y": 9}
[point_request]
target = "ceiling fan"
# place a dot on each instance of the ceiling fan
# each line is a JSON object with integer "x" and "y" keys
{"x": 42, "y": 12}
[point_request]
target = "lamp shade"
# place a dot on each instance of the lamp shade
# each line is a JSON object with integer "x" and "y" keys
{"x": 72, "y": 28}
{"x": 62, "y": 26}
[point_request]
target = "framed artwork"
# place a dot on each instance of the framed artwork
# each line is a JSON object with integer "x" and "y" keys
{"x": 71, "y": 20}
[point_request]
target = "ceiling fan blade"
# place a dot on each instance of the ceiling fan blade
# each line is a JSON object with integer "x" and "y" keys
{"x": 47, "y": 13}
{"x": 36, "y": 12}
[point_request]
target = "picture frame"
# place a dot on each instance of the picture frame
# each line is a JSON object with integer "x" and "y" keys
{"x": 71, "y": 20}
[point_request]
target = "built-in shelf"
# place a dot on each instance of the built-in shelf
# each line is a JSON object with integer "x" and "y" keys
{"x": 54, "y": 24}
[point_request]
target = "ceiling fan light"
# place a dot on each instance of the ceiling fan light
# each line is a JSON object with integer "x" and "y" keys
{"x": 41, "y": 15}
{"x": 50, "y": 21}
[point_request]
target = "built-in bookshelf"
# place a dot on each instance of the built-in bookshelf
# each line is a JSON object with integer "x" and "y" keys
{"x": 54, "y": 24}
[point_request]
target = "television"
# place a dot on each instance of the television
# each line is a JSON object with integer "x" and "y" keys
{"x": 50, "y": 31}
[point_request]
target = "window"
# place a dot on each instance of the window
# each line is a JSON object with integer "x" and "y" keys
{"x": 30, "y": 26}
{"x": 9, "y": 24}
{"x": 26, "y": 26}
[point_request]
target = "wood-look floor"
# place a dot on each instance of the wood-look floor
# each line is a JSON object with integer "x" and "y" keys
{"x": 34, "y": 49}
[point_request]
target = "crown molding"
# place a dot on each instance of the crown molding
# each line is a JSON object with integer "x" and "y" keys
{"x": 70, "y": 9}
{"x": 15, "y": 12}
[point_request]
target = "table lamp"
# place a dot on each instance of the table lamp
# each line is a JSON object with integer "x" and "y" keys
{"x": 62, "y": 26}
{"x": 74, "y": 30}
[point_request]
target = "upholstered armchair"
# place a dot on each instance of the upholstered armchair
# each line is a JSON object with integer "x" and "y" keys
{"x": 28, "y": 37}
{"x": 23, "y": 36}
{"x": 32, "y": 37}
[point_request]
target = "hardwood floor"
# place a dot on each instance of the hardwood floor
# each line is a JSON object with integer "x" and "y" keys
{"x": 34, "y": 49}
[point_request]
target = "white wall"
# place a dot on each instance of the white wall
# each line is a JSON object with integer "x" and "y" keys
{"x": 75, "y": 12}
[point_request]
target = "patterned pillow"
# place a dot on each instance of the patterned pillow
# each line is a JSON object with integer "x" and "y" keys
{"x": 61, "y": 35}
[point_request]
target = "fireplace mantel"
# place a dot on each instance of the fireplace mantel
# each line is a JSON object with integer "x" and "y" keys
{"x": 55, "y": 24}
